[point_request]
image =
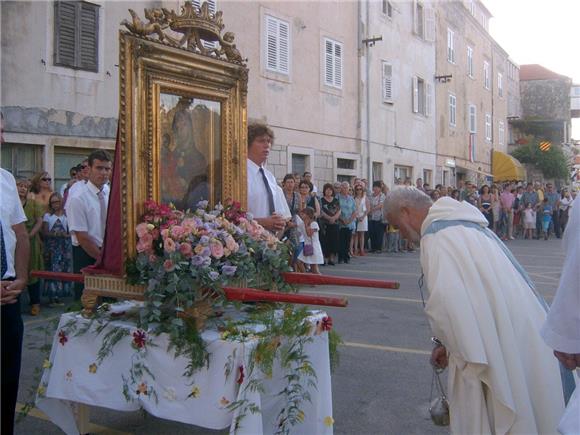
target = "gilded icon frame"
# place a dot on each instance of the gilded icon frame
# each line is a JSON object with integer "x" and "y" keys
{"x": 149, "y": 70}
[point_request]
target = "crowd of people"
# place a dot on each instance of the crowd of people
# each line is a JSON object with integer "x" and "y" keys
{"x": 57, "y": 220}
{"x": 350, "y": 221}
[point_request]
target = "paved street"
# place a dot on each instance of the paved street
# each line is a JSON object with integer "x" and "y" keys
{"x": 383, "y": 381}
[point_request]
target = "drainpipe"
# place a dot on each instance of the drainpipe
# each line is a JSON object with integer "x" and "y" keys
{"x": 368, "y": 96}
{"x": 359, "y": 73}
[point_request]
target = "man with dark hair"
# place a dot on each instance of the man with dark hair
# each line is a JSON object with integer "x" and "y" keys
{"x": 266, "y": 200}
{"x": 308, "y": 177}
{"x": 87, "y": 213}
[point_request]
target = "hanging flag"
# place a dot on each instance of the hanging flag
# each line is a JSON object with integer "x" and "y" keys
{"x": 472, "y": 147}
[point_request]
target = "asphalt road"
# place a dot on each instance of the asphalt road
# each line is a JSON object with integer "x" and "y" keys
{"x": 382, "y": 384}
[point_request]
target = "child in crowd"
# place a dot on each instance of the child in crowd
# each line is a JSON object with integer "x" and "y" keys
{"x": 393, "y": 239}
{"x": 58, "y": 248}
{"x": 312, "y": 256}
{"x": 529, "y": 221}
{"x": 546, "y": 218}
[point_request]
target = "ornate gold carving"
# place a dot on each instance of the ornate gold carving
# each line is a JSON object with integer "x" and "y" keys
{"x": 195, "y": 25}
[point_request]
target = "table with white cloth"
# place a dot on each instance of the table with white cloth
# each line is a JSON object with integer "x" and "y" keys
{"x": 72, "y": 377}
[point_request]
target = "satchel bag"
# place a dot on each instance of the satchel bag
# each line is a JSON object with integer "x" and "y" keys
{"x": 308, "y": 250}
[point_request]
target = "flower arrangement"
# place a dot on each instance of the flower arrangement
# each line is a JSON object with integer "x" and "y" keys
{"x": 185, "y": 258}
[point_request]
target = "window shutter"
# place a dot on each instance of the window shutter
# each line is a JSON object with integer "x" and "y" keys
{"x": 271, "y": 44}
{"x": 415, "y": 95}
{"x": 283, "y": 47}
{"x": 387, "y": 82}
{"x": 430, "y": 24}
{"x": 428, "y": 99}
{"x": 65, "y": 18}
{"x": 212, "y": 8}
{"x": 328, "y": 64}
{"x": 89, "y": 36}
{"x": 338, "y": 65}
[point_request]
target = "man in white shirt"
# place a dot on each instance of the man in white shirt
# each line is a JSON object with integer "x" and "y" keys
{"x": 87, "y": 213}
{"x": 266, "y": 200}
{"x": 14, "y": 254}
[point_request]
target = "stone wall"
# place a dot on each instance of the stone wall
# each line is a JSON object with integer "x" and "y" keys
{"x": 546, "y": 99}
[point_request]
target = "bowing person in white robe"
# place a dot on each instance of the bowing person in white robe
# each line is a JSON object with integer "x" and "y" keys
{"x": 562, "y": 328}
{"x": 502, "y": 377}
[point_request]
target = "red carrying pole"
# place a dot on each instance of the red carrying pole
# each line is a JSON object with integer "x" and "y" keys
{"x": 58, "y": 276}
{"x": 312, "y": 279}
{"x": 253, "y": 295}
{"x": 232, "y": 293}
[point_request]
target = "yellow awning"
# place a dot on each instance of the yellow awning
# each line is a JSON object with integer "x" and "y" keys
{"x": 507, "y": 168}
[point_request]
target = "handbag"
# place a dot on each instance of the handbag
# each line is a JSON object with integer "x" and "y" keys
{"x": 438, "y": 406}
{"x": 308, "y": 250}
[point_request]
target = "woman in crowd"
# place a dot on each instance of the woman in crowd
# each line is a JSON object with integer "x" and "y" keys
{"x": 564, "y": 208}
{"x": 362, "y": 211}
{"x": 435, "y": 195}
{"x": 495, "y": 208}
{"x": 346, "y": 222}
{"x": 34, "y": 212}
{"x": 518, "y": 207}
{"x": 329, "y": 214}
{"x": 292, "y": 229}
{"x": 376, "y": 226}
{"x": 58, "y": 248}
{"x": 455, "y": 194}
{"x": 307, "y": 199}
{"x": 40, "y": 189}
{"x": 484, "y": 204}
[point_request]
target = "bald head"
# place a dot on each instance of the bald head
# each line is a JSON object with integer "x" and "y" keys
{"x": 407, "y": 207}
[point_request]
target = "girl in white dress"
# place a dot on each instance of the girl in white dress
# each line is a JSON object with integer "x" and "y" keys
{"x": 311, "y": 238}
{"x": 362, "y": 205}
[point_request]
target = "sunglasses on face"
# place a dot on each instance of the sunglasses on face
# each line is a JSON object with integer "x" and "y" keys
{"x": 46, "y": 179}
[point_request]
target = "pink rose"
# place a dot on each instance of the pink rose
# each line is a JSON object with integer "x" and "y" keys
{"x": 142, "y": 229}
{"x": 168, "y": 266}
{"x": 217, "y": 249}
{"x": 231, "y": 244}
{"x": 177, "y": 232}
{"x": 164, "y": 233}
{"x": 169, "y": 245}
{"x": 185, "y": 249}
{"x": 145, "y": 243}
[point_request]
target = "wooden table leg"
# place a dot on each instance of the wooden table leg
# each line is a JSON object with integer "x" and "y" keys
{"x": 83, "y": 417}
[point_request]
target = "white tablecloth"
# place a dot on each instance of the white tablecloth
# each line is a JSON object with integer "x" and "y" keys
{"x": 73, "y": 377}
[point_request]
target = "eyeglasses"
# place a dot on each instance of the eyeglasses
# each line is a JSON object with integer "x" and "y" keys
{"x": 46, "y": 179}
{"x": 83, "y": 166}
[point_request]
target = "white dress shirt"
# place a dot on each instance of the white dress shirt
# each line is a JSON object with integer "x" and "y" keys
{"x": 11, "y": 213}
{"x": 83, "y": 211}
{"x": 258, "y": 195}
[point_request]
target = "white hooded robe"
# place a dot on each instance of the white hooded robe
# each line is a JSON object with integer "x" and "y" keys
{"x": 503, "y": 379}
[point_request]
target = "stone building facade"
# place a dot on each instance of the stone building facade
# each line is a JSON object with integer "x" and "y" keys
{"x": 471, "y": 94}
{"x": 349, "y": 88}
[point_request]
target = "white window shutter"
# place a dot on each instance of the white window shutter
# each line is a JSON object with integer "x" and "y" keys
{"x": 338, "y": 65}
{"x": 328, "y": 63}
{"x": 430, "y": 24}
{"x": 271, "y": 44}
{"x": 283, "y": 47}
{"x": 212, "y": 8}
{"x": 415, "y": 95}
{"x": 387, "y": 82}
{"x": 428, "y": 103}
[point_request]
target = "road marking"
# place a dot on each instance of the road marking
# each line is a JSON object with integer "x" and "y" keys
{"x": 385, "y": 298}
{"x": 386, "y": 348}
{"x": 44, "y": 319}
{"x": 93, "y": 428}
{"x": 378, "y": 272}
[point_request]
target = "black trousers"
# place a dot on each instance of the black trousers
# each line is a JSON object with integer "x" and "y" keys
{"x": 80, "y": 260}
{"x": 556, "y": 222}
{"x": 376, "y": 232}
{"x": 344, "y": 235}
{"x": 11, "y": 355}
